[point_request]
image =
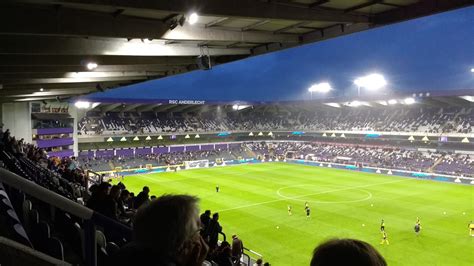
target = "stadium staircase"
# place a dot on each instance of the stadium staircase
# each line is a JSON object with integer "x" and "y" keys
{"x": 440, "y": 159}
{"x": 249, "y": 151}
{"x": 112, "y": 166}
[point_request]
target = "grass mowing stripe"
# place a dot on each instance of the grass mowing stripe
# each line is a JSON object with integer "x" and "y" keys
{"x": 444, "y": 239}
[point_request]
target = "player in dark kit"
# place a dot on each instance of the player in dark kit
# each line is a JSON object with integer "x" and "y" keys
{"x": 382, "y": 226}
{"x": 308, "y": 212}
{"x": 417, "y": 228}
{"x": 217, "y": 188}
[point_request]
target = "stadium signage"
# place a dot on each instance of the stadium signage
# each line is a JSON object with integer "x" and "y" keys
{"x": 186, "y": 102}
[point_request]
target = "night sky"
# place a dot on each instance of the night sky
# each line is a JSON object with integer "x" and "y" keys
{"x": 427, "y": 54}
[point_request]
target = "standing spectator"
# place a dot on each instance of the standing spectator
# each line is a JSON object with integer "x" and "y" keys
{"x": 110, "y": 206}
{"x": 258, "y": 262}
{"x": 213, "y": 231}
{"x": 142, "y": 197}
{"x": 166, "y": 233}
{"x": 237, "y": 249}
{"x": 205, "y": 219}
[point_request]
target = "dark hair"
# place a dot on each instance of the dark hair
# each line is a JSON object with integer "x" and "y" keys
{"x": 166, "y": 223}
{"x": 341, "y": 252}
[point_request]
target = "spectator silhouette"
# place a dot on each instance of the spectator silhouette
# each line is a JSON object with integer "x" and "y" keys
{"x": 342, "y": 252}
{"x": 205, "y": 219}
{"x": 110, "y": 206}
{"x": 142, "y": 197}
{"x": 166, "y": 233}
{"x": 98, "y": 197}
{"x": 237, "y": 249}
{"x": 213, "y": 231}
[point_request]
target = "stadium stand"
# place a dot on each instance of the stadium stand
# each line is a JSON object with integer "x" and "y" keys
{"x": 415, "y": 119}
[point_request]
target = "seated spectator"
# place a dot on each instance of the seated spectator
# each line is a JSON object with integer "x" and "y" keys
{"x": 342, "y": 252}
{"x": 258, "y": 262}
{"x": 223, "y": 256}
{"x": 166, "y": 233}
{"x": 98, "y": 197}
{"x": 142, "y": 197}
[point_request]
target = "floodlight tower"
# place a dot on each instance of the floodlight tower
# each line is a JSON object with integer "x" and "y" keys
{"x": 371, "y": 82}
{"x": 322, "y": 87}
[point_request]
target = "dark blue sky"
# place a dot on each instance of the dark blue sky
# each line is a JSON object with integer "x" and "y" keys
{"x": 427, "y": 54}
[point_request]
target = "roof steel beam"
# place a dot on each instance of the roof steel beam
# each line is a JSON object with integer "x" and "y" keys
{"x": 79, "y": 68}
{"x": 80, "y": 46}
{"x": 40, "y": 60}
{"x": 63, "y": 22}
{"x": 230, "y": 8}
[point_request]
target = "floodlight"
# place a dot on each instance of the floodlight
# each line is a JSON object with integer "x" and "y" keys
{"x": 409, "y": 101}
{"x": 355, "y": 104}
{"x": 92, "y": 65}
{"x": 382, "y": 102}
{"x": 235, "y": 107}
{"x": 193, "y": 18}
{"x": 323, "y": 87}
{"x": 472, "y": 70}
{"x": 82, "y": 104}
{"x": 336, "y": 105}
{"x": 41, "y": 89}
{"x": 392, "y": 101}
{"x": 371, "y": 82}
{"x": 467, "y": 98}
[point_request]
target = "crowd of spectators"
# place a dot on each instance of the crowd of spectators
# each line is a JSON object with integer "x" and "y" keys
{"x": 374, "y": 156}
{"x": 415, "y": 119}
{"x": 161, "y": 159}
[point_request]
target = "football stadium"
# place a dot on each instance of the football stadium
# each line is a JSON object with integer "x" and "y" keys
{"x": 237, "y": 133}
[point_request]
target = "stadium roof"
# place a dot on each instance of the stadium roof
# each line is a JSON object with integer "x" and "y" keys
{"x": 45, "y": 45}
{"x": 460, "y": 98}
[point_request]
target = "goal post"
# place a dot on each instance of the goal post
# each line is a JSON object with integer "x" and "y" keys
{"x": 196, "y": 164}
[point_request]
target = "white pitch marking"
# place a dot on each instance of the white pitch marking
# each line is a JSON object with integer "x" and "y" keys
{"x": 334, "y": 190}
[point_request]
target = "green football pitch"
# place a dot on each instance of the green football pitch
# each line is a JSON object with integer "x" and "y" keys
{"x": 253, "y": 200}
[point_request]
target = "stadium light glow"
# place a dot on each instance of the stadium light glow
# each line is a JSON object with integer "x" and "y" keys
{"x": 193, "y": 18}
{"x": 409, "y": 101}
{"x": 467, "y": 98}
{"x": 392, "y": 102}
{"x": 92, "y": 65}
{"x": 82, "y": 104}
{"x": 237, "y": 107}
{"x": 370, "y": 82}
{"x": 472, "y": 70}
{"x": 382, "y": 102}
{"x": 336, "y": 105}
{"x": 41, "y": 89}
{"x": 322, "y": 87}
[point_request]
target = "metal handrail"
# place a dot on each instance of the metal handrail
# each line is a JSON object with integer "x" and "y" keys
{"x": 48, "y": 196}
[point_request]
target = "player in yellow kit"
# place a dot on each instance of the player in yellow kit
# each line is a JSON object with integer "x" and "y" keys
{"x": 471, "y": 228}
{"x": 289, "y": 210}
{"x": 384, "y": 238}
